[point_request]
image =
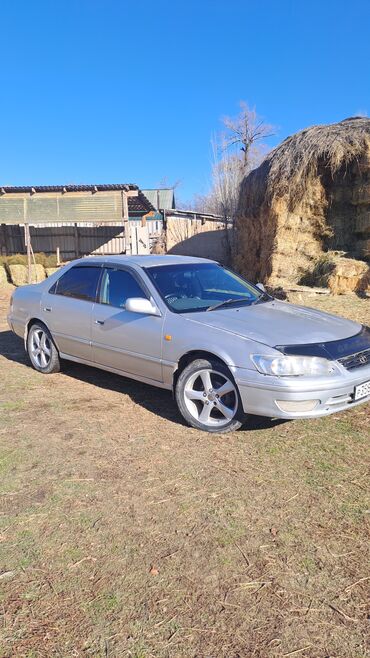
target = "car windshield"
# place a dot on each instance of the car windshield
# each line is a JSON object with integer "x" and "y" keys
{"x": 202, "y": 286}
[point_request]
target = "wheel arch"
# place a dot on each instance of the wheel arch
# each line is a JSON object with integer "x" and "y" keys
{"x": 28, "y": 326}
{"x": 190, "y": 356}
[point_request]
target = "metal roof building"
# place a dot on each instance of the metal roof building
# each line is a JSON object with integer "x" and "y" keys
{"x": 161, "y": 198}
{"x": 76, "y": 220}
{"x": 50, "y": 204}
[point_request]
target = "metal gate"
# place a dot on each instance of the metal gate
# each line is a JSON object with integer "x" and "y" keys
{"x": 139, "y": 239}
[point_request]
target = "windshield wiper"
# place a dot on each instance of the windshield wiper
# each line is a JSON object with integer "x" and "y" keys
{"x": 264, "y": 297}
{"x": 226, "y": 302}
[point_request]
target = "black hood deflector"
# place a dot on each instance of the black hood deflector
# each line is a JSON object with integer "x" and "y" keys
{"x": 334, "y": 349}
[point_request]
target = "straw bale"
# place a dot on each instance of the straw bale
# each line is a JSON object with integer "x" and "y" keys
{"x": 3, "y": 276}
{"x": 19, "y": 275}
{"x": 310, "y": 195}
{"x": 349, "y": 275}
{"x": 51, "y": 270}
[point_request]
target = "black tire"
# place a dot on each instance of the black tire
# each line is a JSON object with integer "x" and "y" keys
{"x": 209, "y": 402}
{"x": 41, "y": 349}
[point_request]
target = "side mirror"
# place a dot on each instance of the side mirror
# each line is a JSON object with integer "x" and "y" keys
{"x": 261, "y": 287}
{"x": 141, "y": 305}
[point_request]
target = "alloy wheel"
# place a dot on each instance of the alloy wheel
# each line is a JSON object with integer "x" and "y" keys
{"x": 40, "y": 348}
{"x": 211, "y": 398}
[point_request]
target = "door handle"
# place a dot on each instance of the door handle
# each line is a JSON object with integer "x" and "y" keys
{"x": 99, "y": 322}
{"x": 47, "y": 308}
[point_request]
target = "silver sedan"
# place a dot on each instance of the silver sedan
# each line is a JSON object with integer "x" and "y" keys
{"x": 223, "y": 345}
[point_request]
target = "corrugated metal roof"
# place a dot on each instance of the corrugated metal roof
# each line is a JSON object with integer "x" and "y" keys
{"x": 83, "y": 207}
{"x": 139, "y": 203}
{"x": 193, "y": 214}
{"x": 69, "y": 188}
{"x": 161, "y": 198}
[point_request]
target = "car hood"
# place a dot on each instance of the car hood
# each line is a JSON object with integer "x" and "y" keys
{"x": 278, "y": 323}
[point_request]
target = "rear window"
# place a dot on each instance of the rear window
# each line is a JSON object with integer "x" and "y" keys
{"x": 79, "y": 283}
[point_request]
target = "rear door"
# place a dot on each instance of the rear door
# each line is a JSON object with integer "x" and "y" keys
{"x": 67, "y": 310}
{"x": 130, "y": 342}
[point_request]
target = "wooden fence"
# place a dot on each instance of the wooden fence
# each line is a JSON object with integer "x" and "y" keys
{"x": 73, "y": 240}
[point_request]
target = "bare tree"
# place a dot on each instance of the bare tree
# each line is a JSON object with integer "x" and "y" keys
{"x": 236, "y": 151}
{"x": 226, "y": 179}
{"x": 164, "y": 183}
{"x": 244, "y": 131}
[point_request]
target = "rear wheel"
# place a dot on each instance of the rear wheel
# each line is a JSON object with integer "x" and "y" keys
{"x": 208, "y": 397}
{"x": 41, "y": 349}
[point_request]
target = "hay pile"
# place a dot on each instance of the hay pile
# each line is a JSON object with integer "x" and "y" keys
{"x": 340, "y": 274}
{"x": 310, "y": 195}
{"x": 349, "y": 275}
{"x": 18, "y": 274}
{"x": 3, "y": 276}
{"x": 51, "y": 270}
{"x": 13, "y": 269}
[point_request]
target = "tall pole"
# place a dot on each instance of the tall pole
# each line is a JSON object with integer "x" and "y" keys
{"x": 27, "y": 241}
{"x": 126, "y": 222}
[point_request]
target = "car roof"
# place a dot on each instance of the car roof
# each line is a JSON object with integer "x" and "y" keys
{"x": 146, "y": 261}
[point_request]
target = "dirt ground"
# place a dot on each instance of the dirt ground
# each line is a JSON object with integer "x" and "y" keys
{"x": 124, "y": 533}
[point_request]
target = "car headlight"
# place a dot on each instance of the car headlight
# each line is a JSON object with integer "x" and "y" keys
{"x": 285, "y": 366}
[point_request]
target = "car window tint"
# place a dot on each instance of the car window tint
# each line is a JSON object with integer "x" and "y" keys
{"x": 194, "y": 287}
{"x": 117, "y": 286}
{"x": 79, "y": 282}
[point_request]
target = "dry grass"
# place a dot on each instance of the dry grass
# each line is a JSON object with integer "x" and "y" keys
{"x": 124, "y": 533}
{"x": 288, "y": 168}
{"x": 21, "y": 259}
{"x": 308, "y": 195}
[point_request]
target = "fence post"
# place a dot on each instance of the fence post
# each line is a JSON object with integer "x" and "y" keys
{"x": 3, "y": 240}
{"x": 126, "y": 223}
{"x": 27, "y": 239}
{"x": 77, "y": 242}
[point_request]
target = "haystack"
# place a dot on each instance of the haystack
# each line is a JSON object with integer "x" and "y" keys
{"x": 349, "y": 275}
{"x": 51, "y": 270}
{"x": 19, "y": 274}
{"x": 3, "y": 276}
{"x": 340, "y": 274}
{"x": 309, "y": 196}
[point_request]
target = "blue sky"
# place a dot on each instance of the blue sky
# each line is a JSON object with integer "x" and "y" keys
{"x": 109, "y": 91}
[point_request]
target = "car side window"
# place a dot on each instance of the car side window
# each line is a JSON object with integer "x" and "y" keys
{"x": 79, "y": 283}
{"x": 117, "y": 286}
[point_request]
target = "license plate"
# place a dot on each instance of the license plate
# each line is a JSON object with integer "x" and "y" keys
{"x": 362, "y": 390}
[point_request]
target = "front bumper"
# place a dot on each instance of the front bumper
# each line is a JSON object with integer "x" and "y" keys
{"x": 261, "y": 394}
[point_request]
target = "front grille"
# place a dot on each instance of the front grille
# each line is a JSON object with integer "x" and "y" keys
{"x": 356, "y": 360}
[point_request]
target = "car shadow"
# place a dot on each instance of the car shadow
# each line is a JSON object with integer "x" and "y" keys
{"x": 156, "y": 400}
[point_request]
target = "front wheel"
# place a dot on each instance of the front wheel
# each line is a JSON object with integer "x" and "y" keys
{"x": 208, "y": 398}
{"x": 41, "y": 349}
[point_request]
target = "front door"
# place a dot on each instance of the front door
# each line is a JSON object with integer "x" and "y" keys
{"x": 125, "y": 341}
{"x": 67, "y": 308}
